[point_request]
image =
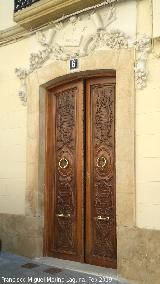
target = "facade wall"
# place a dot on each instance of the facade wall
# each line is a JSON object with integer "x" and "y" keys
{"x": 21, "y": 190}
{"x": 6, "y": 14}
{"x": 12, "y": 133}
{"x": 147, "y": 151}
{"x": 148, "y": 132}
{"x": 13, "y": 126}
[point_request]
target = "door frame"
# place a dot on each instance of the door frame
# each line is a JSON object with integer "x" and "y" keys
{"x": 37, "y": 84}
{"x": 61, "y": 81}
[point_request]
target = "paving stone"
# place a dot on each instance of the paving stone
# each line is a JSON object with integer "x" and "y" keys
{"x": 29, "y": 265}
{"x": 28, "y": 271}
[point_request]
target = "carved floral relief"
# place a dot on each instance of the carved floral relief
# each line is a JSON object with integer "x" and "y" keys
{"x": 77, "y": 37}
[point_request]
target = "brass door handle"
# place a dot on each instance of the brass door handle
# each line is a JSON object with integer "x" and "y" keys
{"x": 102, "y": 218}
{"x": 63, "y": 215}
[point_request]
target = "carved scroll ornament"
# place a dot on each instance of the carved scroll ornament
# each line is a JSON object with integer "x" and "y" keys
{"x": 79, "y": 43}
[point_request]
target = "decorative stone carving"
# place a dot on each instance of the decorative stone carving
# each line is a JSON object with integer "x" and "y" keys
{"x": 143, "y": 47}
{"x": 71, "y": 47}
{"x": 97, "y": 19}
{"x": 143, "y": 43}
{"x": 22, "y": 74}
{"x": 140, "y": 78}
{"x": 114, "y": 39}
{"x": 37, "y": 59}
{"x": 77, "y": 41}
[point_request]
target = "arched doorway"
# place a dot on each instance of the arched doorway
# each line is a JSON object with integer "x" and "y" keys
{"x": 80, "y": 219}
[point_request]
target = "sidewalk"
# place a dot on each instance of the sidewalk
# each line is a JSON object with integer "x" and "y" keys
{"x": 16, "y": 269}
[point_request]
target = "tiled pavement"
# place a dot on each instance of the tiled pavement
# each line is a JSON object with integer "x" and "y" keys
{"x": 16, "y": 269}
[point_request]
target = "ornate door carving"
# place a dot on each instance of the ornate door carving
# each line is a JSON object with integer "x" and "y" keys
{"x": 100, "y": 246}
{"x": 81, "y": 182}
{"x": 65, "y": 148}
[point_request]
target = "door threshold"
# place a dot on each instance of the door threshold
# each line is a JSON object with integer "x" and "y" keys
{"x": 78, "y": 267}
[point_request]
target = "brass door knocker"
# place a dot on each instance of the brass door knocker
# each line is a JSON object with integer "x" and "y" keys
{"x": 101, "y": 162}
{"x": 63, "y": 163}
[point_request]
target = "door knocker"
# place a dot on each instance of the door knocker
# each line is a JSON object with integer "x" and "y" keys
{"x": 63, "y": 163}
{"x": 101, "y": 162}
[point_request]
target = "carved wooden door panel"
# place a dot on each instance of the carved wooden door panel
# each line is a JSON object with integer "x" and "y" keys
{"x": 100, "y": 247}
{"x": 65, "y": 170}
{"x": 81, "y": 203}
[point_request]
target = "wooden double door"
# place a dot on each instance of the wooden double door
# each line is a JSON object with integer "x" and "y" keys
{"x": 80, "y": 214}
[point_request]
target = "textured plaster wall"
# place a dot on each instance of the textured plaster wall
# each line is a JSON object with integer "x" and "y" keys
{"x": 13, "y": 127}
{"x": 148, "y": 150}
{"x": 148, "y": 133}
{"x": 6, "y": 14}
{"x": 156, "y": 18}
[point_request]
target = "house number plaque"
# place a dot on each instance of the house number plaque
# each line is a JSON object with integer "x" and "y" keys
{"x": 73, "y": 63}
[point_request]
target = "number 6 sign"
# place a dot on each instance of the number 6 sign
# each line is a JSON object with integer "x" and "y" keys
{"x": 73, "y": 63}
